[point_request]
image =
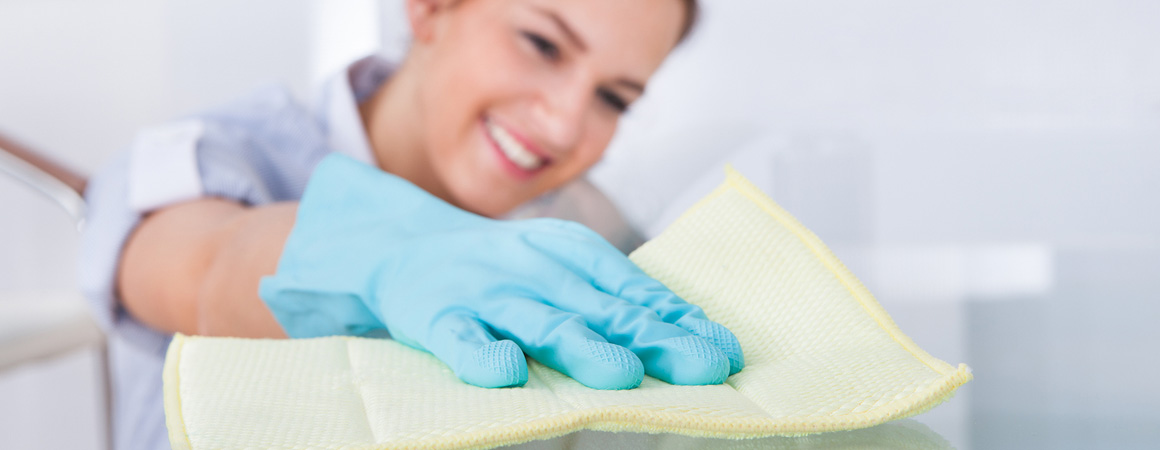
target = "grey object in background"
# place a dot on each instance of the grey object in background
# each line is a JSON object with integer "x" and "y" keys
{"x": 581, "y": 201}
{"x": 898, "y": 435}
{"x": 41, "y": 325}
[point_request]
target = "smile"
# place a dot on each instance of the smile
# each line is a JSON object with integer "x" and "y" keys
{"x": 513, "y": 149}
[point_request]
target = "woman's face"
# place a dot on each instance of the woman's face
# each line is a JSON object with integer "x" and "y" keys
{"x": 521, "y": 96}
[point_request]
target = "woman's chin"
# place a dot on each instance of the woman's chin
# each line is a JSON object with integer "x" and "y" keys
{"x": 488, "y": 202}
{"x": 489, "y": 189}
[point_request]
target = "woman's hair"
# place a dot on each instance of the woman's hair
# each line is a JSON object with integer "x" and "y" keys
{"x": 692, "y": 12}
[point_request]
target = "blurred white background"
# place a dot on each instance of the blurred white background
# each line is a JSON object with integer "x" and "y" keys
{"x": 964, "y": 158}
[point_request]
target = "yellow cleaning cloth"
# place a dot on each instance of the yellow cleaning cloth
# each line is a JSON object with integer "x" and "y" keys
{"x": 821, "y": 354}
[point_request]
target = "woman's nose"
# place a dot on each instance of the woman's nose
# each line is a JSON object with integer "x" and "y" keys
{"x": 562, "y": 111}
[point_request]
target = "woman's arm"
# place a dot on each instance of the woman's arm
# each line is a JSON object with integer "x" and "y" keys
{"x": 194, "y": 267}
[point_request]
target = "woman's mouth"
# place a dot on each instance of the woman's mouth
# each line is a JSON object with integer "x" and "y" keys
{"x": 518, "y": 157}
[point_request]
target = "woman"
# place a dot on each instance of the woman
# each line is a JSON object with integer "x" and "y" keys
{"x": 369, "y": 214}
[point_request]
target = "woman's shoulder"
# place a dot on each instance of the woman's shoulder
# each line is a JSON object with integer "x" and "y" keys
{"x": 257, "y": 148}
{"x": 268, "y": 110}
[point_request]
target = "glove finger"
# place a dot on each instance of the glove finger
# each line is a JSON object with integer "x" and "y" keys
{"x": 613, "y": 273}
{"x": 563, "y": 341}
{"x": 463, "y": 343}
{"x": 719, "y": 336}
{"x": 668, "y": 352}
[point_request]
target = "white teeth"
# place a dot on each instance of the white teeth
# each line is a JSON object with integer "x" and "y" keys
{"x": 512, "y": 148}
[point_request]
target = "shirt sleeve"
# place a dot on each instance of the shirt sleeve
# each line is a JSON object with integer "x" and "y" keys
{"x": 259, "y": 150}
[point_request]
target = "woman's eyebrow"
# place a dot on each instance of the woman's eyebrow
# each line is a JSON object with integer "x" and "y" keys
{"x": 636, "y": 86}
{"x": 567, "y": 30}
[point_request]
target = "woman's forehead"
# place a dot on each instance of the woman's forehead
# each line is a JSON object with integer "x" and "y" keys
{"x": 632, "y": 33}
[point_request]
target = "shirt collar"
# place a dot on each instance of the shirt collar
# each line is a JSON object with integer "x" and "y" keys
{"x": 338, "y": 106}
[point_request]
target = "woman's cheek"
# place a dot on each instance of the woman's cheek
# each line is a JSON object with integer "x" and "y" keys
{"x": 600, "y": 132}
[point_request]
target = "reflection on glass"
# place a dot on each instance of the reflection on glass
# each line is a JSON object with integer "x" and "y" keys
{"x": 901, "y": 434}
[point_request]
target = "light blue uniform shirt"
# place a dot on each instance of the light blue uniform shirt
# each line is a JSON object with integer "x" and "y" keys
{"x": 258, "y": 150}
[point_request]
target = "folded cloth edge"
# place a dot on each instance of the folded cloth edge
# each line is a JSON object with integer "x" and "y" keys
{"x": 171, "y": 382}
{"x": 616, "y": 419}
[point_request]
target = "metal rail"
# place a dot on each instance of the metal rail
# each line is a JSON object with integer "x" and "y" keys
{"x": 60, "y": 185}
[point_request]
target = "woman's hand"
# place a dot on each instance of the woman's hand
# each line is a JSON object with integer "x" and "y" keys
{"x": 370, "y": 251}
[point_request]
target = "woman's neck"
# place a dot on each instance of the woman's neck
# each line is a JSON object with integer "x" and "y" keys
{"x": 392, "y": 121}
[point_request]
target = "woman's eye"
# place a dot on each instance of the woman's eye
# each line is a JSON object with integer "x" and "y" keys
{"x": 612, "y": 100}
{"x": 544, "y": 46}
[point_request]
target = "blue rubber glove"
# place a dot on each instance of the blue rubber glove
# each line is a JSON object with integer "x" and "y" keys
{"x": 371, "y": 251}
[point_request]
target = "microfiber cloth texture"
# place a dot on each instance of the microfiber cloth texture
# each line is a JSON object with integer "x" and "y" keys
{"x": 821, "y": 355}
